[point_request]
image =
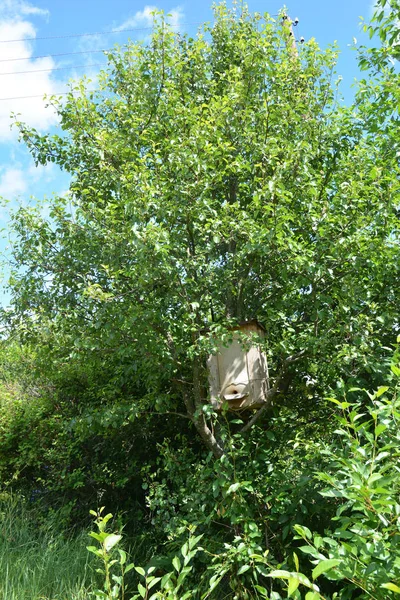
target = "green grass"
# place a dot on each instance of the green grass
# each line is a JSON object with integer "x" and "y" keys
{"x": 40, "y": 563}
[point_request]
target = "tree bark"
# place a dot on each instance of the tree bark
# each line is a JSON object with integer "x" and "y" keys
{"x": 194, "y": 402}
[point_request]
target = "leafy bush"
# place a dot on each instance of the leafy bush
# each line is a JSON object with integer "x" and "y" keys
{"x": 362, "y": 544}
{"x": 64, "y": 443}
{"x": 344, "y": 496}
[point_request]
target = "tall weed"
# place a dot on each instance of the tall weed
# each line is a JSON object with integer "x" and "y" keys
{"x": 38, "y": 561}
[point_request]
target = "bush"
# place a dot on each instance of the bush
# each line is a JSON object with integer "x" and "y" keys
{"x": 361, "y": 548}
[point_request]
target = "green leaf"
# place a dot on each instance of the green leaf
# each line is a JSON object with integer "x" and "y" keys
{"x": 193, "y": 541}
{"x": 111, "y": 540}
{"x": 303, "y": 531}
{"x": 262, "y": 591}
{"x": 309, "y": 550}
{"x": 233, "y": 488}
{"x": 395, "y": 370}
{"x": 243, "y": 569}
{"x": 94, "y": 550}
{"x": 391, "y": 586}
{"x": 324, "y": 566}
{"x": 280, "y": 574}
{"x": 382, "y": 390}
{"x": 296, "y": 561}
{"x": 293, "y": 584}
{"x": 165, "y": 579}
{"x": 100, "y": 537}
{"x": 101, "y": 594}
{"x": 153, "y": 582}
{"x": 176, "y": 563}
{"x": 380, "y": 429}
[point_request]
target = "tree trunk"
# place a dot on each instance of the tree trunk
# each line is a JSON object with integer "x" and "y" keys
{"x": 194, "y": 403}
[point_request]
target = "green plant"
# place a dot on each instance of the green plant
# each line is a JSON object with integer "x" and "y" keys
{"x": 172, "y": 584}
{"x": 359, "y": 553}
{"x": 214, "y": 179}
{"x": 114, "y": 566}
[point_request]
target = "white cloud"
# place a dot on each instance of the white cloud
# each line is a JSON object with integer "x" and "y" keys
{"x": 24, "y": 82}
{"x": 15, "y": 8}
{"x": 16, "y": 180}
{"x": 13, "y": 182}
{"x": 17, "y": 78}
{"x": 26, "y": 9}
{"x": 41, "y": 172}
{"x": 145, "y": 18}
{"x": 176, "y": 17}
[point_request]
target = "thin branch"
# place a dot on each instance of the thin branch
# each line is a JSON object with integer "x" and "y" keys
{"x": 274, "y": 390}
{"x": 168, "y": 412}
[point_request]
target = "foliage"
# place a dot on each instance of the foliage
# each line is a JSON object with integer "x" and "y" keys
{"x": 385, "y": 25}
{"x": 114, "y": 585}
{"x": 353, "y": 545}
{"x": 214, "y": 179}
{"x": 256, "y": 492}
{"x": 114, "y": 588}
{"x": 62, "y": 447}
{"x": 362, "y": 544}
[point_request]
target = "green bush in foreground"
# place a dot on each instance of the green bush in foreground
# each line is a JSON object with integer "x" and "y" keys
{"x": 333, "y": 535}
{"x": 355, "y": 555}
{"x": 362, "y": 545}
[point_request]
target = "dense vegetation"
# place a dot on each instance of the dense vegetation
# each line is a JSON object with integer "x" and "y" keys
{"x": 214, "y": 179}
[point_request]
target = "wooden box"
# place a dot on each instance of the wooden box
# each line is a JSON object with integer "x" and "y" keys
{"x": 238, "y": 373}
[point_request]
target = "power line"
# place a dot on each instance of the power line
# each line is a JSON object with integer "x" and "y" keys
{"x": 58, "y": 54}
{"x": 60, "y": 69}
{"x": 94, "y": 33}
{"x": 77, "y": 35}
{"x": 35, "y": 57}
{"x": 65, "y": 54}
{"x": 56, "y": 69}
{"x": 41, "y": 95}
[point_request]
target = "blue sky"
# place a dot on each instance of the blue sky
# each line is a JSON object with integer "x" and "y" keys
{"x": 20, "y": 180}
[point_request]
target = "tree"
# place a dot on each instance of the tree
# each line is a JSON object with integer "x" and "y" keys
{"x": 214, "y": 179}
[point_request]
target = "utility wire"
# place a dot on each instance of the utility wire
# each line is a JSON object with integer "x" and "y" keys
{"x": 93, "y": 33}
{"x": 77, "y": 35}
{"x": 72, "y": 35}
{"x": 58, "y": 54}
{"x": 56, "y": 69}
{"x": 114, "y": 31}
{"x": 41, "y": 95}
{"x": 66, "y": 54}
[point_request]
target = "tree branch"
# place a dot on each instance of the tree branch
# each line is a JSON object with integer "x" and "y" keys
{"x": 194, "y": 405}
{"x": 276, "y": 389}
